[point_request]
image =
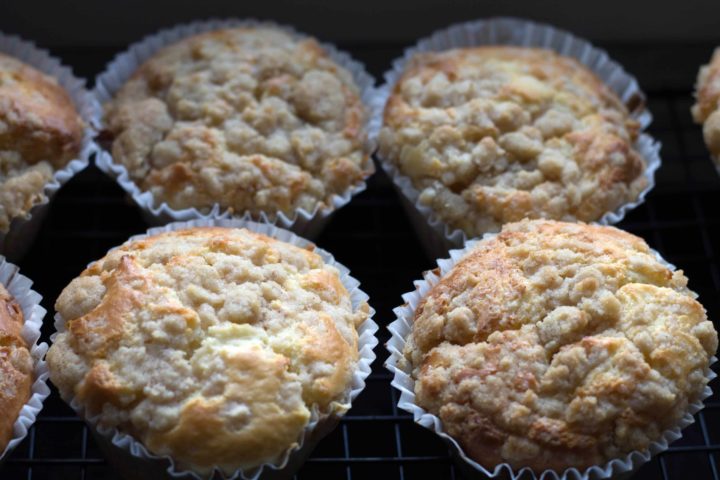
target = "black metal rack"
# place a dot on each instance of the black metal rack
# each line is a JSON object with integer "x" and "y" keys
{"x": 681, "y": 219}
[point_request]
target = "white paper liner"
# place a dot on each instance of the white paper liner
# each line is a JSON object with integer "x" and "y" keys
{"x": 302, "y": 222}
{"x": 129, "y": 455}
{"x": 19, "y": 286}
{"x": 404, "y": 382}
{"x": 23, "y": 229}
{"x": 512, "y": 31}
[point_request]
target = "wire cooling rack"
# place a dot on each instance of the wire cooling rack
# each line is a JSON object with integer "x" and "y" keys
{"x": 371, "y": 236}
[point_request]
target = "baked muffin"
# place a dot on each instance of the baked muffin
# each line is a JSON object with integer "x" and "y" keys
{"x": 16, "y": 366}
{"x": 706, "y": 110}
{"x": 555, "y": 345}
{"x": 210, "y": 345}
{"x": 40, "y": 131}
{"x": 250, "y": 119}
{"x": 491, "y": 135}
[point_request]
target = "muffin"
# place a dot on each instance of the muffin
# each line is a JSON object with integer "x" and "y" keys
{"x": 16, "y": 366}
{"x": 213, "y": 346}
{"x": 706, "y": 110}
{"x": 558, "y": 345}
{"x": 251, "y": 119}
{"x": 494, "y": 134}
{"x": 40, "y": 132}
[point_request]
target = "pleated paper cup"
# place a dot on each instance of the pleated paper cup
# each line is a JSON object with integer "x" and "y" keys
{"x": 132, "y": 458}
{"x": 19, "y": 286}
{"x": 405, "y": 383}
{"x": 301, "y": 221}
{"x": 437, "y": 236}
{"x": 23, "y": 229}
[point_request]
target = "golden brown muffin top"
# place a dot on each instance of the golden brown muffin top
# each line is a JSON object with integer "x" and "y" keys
{"x": 16, "y": 366}
{"x": 40, "y": 131}
{"x": 247, "y": 118}
{"x": 211, "y": 345}
{"x": 707, "y": 107}
{"x": 491, "y": 135}
{"x": 556, "y": 345}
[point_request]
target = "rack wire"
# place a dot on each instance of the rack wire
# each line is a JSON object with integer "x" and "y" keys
{"x": 680, "y": 218}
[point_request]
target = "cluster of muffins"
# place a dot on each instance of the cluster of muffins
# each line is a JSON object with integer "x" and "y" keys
{"x": 238, "y": 333}
{"x": 549, "y": 346}
{"x": 44, "y": 140}
{"x": 222, "y": 347}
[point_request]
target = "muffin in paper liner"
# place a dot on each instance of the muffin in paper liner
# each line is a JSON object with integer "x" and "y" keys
{"x": 23, "y": 229}
{"x": 19, "y": 286}
{"x": 438, "y": 237}
{"x": 705, "y": 111}
{"x": 303, "y": 222}
{"x": 133, "y": 459}
{"x": 403, "y": 381}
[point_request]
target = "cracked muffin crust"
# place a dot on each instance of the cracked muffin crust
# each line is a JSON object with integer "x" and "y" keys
{"x": 492, "y": 135}
{"x": 210, "y": 345}
{"x": 556, "y": 345}
{"x": 706, "y": 110}
{"x": 16, "y": 366}
{"x": 248, "y": 118}
{"x": 40, "y": 131}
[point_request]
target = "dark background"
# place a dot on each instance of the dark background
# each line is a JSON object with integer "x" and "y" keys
{"x": 668, "y": 37}
{"x": 662, "y": 43}
{"x": 107, "y": 23}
